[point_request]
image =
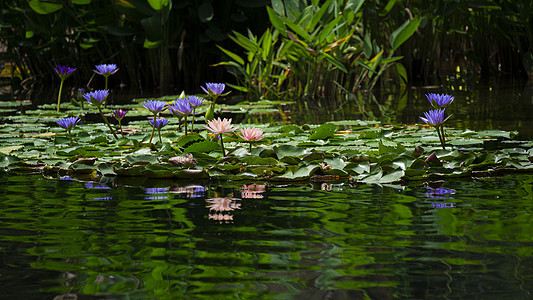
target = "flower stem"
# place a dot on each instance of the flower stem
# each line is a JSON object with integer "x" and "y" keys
{"x": 222, "y": 144}
{"x": 440, "y": 136}
{"x": 70, "y": 136}
{"x": 159, "y": 133}
{"x": 185, "y": 125}
{"x": 120, "y": 126}
{"x": 105, "y": 103}
{"x": 152, "y": 134}
{"x": 192, "y": 123}
{"x": 107, "y": 123}
{"x": 443, "y": 142}
{"x": 250, "y": 147}
{"x": 59, "y": 95}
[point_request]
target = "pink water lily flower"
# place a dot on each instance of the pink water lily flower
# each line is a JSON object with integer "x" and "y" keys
{"x": 251, "y": 134}
{"x": 218, "y": 126}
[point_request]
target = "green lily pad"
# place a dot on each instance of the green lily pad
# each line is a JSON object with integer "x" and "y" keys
{"x": 323, "y": 132}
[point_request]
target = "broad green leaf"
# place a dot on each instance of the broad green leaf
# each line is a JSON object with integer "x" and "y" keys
{"x": 324, "y": 131}
{"x": 232, "y": 55}
{"x": 404, "y": 32}
{"x": 187, "y": 140}
{"x": 318, "y": 15}
{"x": 289, "y": 150}
{"x": 158, "y": 4}
{"x": 276, "y": 21}
{"x": 354, "y": 5}
{"x": 9, "y": 149}
{"x": 141, "y": 158}
{"x": 278, "y": 7}
{"x": 7, "y": 160}
{"x": 151, "y": 45}
{"x": 203, "y": 147}
{"x": 394, "y": 176}
{"x": 402, "y": 73}
{"x": 302, "y": 173}
{"x": 389, "y": 149}
{"x": 256, "y": 160}
{"x": 106, "y": 169}
{"x": 44, "y": 7}
{"x": 373, "y": 178}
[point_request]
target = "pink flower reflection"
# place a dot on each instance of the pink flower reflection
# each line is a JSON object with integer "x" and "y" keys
{"x": 252, "y": 191}
{"x": 223, "y": 204}
{"x": 221, "y": 217}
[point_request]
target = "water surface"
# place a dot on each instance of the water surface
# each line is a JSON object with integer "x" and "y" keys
{"x": 143, "y": 239}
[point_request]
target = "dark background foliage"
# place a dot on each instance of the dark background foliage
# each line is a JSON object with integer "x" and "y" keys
{"x": 170, "y": 45}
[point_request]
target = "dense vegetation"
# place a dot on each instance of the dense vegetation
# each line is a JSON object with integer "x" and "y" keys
{"x": 171, "y": 45}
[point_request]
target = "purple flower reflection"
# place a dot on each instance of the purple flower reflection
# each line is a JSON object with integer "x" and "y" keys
{"x": 156, "y": 190}
{"x": 102, "y": 198}
{"x": 439, "y": 192}
{"x": 91, "y": 185}
{"x": 442, "y": 204}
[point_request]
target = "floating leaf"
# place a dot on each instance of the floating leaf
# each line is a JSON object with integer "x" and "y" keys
{"x": 323, "y": 132}
{"x": 256, "y": 160}
{"x": 141, "y": 158}
{"x": 203, "y": 147}
{"x": 289, "y": 150}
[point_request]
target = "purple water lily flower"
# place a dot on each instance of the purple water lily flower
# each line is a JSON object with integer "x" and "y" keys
{"x": 63, "y": 71}
{"x": 180, "y": 108}
{"x": 159, "y": 123}
{"x": 434, "y": 117}
{"x": 97, "y": 97}
{"x": 439, "y": 100}
{"x": 154, "y": 106}
{"x": 106, "y": 70}
{"x": 214, "y": 89}
{"x": 69, "y": 122}
{"x": 119, "y": 114}
{"x": 195, "y": 101}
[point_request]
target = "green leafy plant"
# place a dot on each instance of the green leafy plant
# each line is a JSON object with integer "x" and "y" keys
{"x": 315, "y": 52}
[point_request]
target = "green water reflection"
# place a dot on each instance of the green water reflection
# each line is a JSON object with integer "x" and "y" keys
{"x": 175, "y": 240}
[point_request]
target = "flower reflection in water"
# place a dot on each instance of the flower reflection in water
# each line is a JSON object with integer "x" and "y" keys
{"x": 440, "y": 193}
{"x": 92, "y": 185}
{"x": 190, "y": 191}
{"x": 152, "y": 191}
{"x": 253, "y": 191}
{"x": 221, "y": 206}
{"x": 221, "y": 217}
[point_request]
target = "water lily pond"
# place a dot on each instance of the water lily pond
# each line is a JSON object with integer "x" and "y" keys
{"x": 347, "y": 209}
